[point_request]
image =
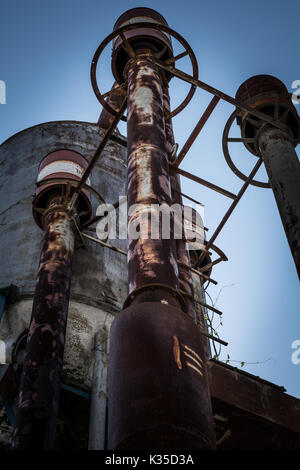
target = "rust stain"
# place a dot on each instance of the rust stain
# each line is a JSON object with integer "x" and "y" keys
{"x": 176, "y": 352}
{"x": 193, "y": 352}
{"x": 195, "y": 368}
{"x": 193, "y": 359}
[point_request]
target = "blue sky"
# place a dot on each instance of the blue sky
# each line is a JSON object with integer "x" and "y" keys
{"x": 46, "y": 51}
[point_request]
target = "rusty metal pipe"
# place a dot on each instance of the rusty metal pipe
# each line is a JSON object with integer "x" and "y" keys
{"x": 158, "y": 390}
{"x": 40, "y": 383}
{"x": 149, "y": 260}
{"x": 282, "y": 165}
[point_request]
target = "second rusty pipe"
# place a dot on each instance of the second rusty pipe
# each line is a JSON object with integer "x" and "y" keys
{"x": 40, "y": 382}
{"x": 184, "y": 275}
{"x": 186, "y": 284}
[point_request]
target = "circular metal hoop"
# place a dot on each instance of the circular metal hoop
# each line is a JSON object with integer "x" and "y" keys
{"x": 62, "y": 182}
{"x": 129, "y": 27}
{"x": 228, "y": 158}
{"x": 71, "y": 182}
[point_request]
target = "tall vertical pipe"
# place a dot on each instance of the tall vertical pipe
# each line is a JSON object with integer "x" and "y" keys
{"x": 97, "y": 432}
{"x": 40, "y": 382}
{"x": 158, "y": 390}
{"x": 276, "y": 147}
{"x": 149, "y": 260}
{"x": 283, "y": 168}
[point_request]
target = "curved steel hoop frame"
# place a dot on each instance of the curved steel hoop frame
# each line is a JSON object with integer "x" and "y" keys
{"x": 220, "y": 253}
{"x": 71, "y": 182}
{"x": 120, "y": 32}
{"x": 68, "y": 182}
{"x": 225, "y": 140}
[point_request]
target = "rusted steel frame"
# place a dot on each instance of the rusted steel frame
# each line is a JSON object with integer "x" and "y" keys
{"x": 97, "y": 154}
{"x": 222, "y": 257}
{"x": 228, "y": 158}
{"x": 71, "y": 183}
{"x": 141, "y": 25}
{"x": 202, "y": 303}
{"x": 209, "y": 307}
{"x": 106, "y": 245}
{"x": 40, "y": 383}
{"x": 244, "y": 107}
{"x": 96, "y": 218}
{"x": 186, "y": 266}
{"x": 210, "y": 265}
{"x": 239, "y": 139}
{"x": 191, "y": 199}
{"x": 214, "y": 338}
{"x": 115, "y": 99}
{"x": 119, "y": 140}
{"x": 219, "y": 252}
{"x": 196, "y": 131}
{"x": 115, "y": 88}
{"x": 127, "y": 46}
{"x": 232, "y": 207}
{"x": 148, "y": 177}
{"x": 177, "y": 57}
{"x": 209, "y": 185}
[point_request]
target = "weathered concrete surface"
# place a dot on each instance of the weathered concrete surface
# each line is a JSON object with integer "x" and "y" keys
{"x": 99, "y": 279}
{"x": 20, "y": 239}
{"x": 97, "y": 428}
{"x": 83, "y": 322}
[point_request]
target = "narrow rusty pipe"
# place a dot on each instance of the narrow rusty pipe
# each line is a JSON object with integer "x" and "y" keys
{"x": 40, "y": 383}
{"x": 275, "y": 143}
{"x": 184, "y": 276}
{"x": 283, "y": 169}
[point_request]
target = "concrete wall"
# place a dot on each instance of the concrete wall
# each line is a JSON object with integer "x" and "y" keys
{"x": 99, "y": 281}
